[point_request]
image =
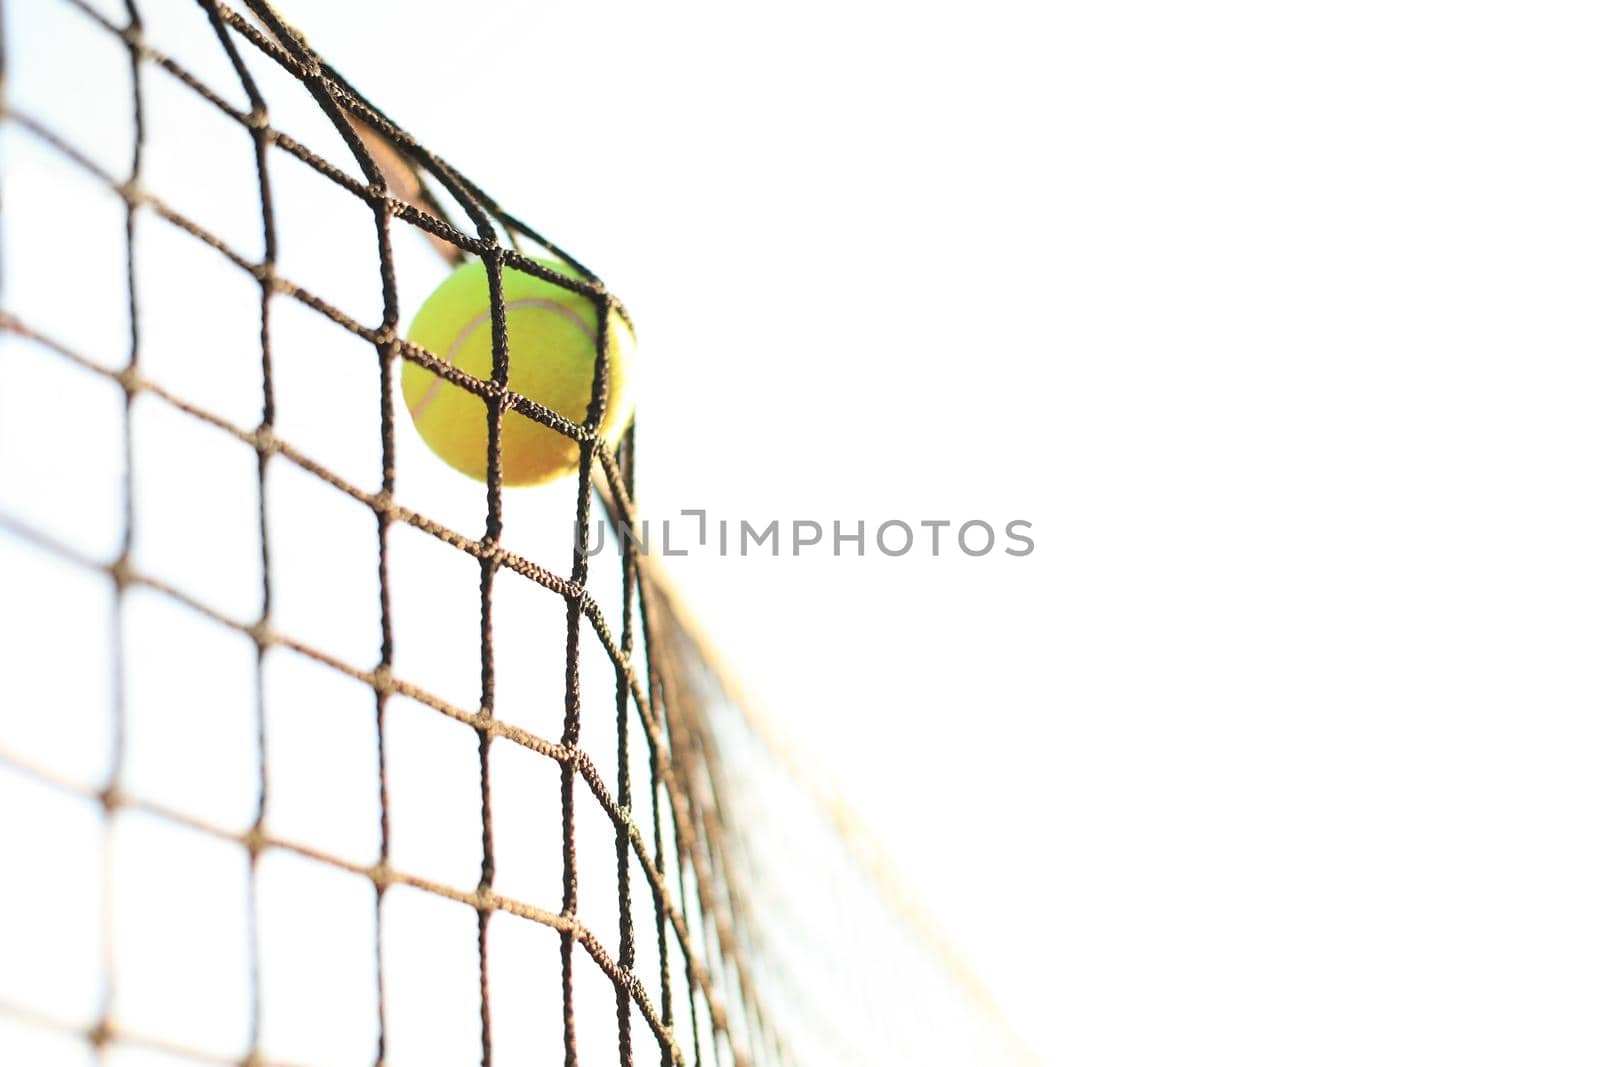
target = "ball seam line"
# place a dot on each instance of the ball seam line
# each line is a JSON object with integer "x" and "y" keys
{"x": 541, "y": 303}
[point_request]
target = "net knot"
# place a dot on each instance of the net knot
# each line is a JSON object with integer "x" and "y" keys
{"x": 100, "y": 1034}
{"x": 382, "y": 876}
{"x": 121, "y": 572}
{"x": 262, "y": 634}
{"x": 382, "y": 505}
{"x": 132, "y": 192}
{"x": 383, "y": 680}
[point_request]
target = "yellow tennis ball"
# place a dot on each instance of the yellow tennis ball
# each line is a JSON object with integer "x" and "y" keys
{"x": 552, "y": 360}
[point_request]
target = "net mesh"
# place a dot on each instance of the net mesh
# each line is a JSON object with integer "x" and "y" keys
{"x": 749, "y": 924}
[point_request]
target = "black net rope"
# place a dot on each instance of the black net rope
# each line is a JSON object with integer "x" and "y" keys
{"x": 644, "y": 685}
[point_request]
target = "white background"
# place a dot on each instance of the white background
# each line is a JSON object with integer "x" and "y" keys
{"x": 1276, "y": 321}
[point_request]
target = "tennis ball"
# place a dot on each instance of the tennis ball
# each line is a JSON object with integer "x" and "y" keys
{"x": 552, "y": 361}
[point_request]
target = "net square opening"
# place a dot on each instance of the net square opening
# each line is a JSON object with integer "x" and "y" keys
{"x": 430, "y": 979}
{"x": 200, "y": 162}
{"x": 196, "y": 509}
{"x": 527, "y": 824}
{"x": 319, "y": 972}
{"x": 50, "y": 898}
{"x": 435, "y": 800}
{"x": 38, "y": 85}
{"x": 63, "y": 222}
{"x": 58, "y": 673}
{"x": 180, "y": 898}
{"x": 435, "y": 605}
{"x": 322, "y": 757}
{"x": 326, "y": 387}
{"x": 191, "y": 712}
{"x": 595, "y": 841}
{"x": 61, "y": 448}
{"x": 525, "y": 991}
{"x": 199, "y": 323}
{"x": 530, "y": 627}
{"x": 594, "y": 1006}
{"x": 324, "y": 565}
{"x": 328, "y": 246}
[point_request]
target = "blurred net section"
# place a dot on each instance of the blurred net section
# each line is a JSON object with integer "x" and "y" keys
{"x": 860, "y": 973}
{"x": 309, "y": 754}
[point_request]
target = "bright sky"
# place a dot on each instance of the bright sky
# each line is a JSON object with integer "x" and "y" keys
{"x": 1274, "y": 321}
